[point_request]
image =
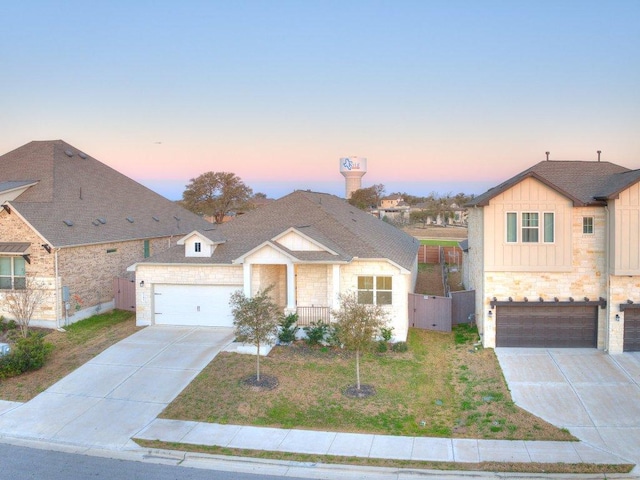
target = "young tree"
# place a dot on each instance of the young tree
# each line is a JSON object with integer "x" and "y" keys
{"x": 256, "y": 319}
{"x": 357, "y": 325}
{"x": 215, "y": 194}
{"x": 23, "y": 302}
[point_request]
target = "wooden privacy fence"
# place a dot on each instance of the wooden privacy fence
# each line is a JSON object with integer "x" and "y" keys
{"x": 432, "y": 253}
{"x": 124, "y": 294}
{"x": 441, "y": 313}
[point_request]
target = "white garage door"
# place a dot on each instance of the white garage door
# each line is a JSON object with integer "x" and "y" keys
{"x": 205, "y": 305}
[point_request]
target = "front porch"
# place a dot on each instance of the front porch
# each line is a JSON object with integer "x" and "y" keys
{"x": 310, "y": 290}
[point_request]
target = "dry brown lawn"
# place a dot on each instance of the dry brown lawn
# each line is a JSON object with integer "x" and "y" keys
{"x": 71, "y": 349}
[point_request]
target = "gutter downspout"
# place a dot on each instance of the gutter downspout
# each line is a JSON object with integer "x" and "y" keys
{"x": 57, "y": 287}
{"x": 607, "y": 253}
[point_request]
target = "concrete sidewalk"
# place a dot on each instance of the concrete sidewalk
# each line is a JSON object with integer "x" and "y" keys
{"x": 375, "y": 446}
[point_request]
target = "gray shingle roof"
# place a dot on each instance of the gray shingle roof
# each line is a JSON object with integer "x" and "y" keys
{"x": 330, "y": 220}
{"x": 582, "y": 182}
{"x": 10, "y": 185}
{"x": 77, "y": 188}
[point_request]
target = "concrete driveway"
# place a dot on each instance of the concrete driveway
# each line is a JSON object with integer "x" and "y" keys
{"x": 594, "y": 395}
{"x": 107, "y": 400}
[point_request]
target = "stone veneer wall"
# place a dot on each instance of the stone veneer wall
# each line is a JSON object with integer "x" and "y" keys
{"x": 402, "y": 286}
{"x": 179, "y": 275}
{"x": 262, "y": 276}
{"x": 621, "y": 289}
{"x": 313, "y": 285}
{"x": 587, "y": 277}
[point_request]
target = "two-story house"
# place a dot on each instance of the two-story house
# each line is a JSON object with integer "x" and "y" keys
{"x": 71, "y": 224}
{"x": 554, "y": 257}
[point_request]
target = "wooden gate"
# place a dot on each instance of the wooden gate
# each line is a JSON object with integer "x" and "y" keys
{"x": 124, "y": 294}
{"x": 463, "y": 307}
{"x": 440, "y": 313}
{"x": 429, "y": 312}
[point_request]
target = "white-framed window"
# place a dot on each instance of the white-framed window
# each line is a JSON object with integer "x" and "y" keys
{"x": 549, "y": 227}
{"x": 374, "y": 290}
{"x": 587, "y": 225}
{"x": 512, "y": 227}
{"x": 530, "y": 227}
{"x": 12, "y": 273}
{"x": 197, "y": 247}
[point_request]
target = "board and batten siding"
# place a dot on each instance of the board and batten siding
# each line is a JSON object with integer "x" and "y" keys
{"x": 530, "y": 195}
{"x": 626, "y": 227}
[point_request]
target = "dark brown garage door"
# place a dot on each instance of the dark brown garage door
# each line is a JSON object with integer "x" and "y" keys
{"x": 631, "y": 330}
{"x": 548, "y": 326}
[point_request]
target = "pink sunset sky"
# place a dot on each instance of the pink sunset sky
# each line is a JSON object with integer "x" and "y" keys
{"x": 438, "y": 96}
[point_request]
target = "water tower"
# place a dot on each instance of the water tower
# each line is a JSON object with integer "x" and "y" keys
{"x": 352, "y": 169}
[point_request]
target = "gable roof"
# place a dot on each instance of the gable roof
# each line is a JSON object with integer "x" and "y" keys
{"x": 78, "y": 200}
{"x": 331, "y": 221}
{"x": 582, "y": 182}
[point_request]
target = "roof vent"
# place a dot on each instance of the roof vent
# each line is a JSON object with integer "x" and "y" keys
{"x": 547, "y": 154}
{"x": 68, "y": 153}
{"x": 102, "y": 220}
{"x": 599, "y": 152}
{"x": 156, "y": 218}
{"x": 95, "y": 223}
{"x": 68, "y": 223}
{"x": 176, "y": 217}
{"x": 129, "y": 219}
{"x": 82, "y": 155}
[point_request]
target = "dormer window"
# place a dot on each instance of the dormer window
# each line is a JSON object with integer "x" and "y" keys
{"x": 197, "y": 247}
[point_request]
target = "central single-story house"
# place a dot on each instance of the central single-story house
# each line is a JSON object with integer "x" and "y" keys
{"x": 312, "y": 247}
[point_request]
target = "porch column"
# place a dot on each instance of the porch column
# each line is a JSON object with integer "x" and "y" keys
{"x": 246, "y": 280}
{"x": 291, "y": 287}
{"x": 335, "y": 294}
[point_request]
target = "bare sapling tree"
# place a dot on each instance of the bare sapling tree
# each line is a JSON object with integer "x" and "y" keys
{"x": 22, "y": 303}
{"x": 255, "y": 320}
{"x": 357, "y": 325}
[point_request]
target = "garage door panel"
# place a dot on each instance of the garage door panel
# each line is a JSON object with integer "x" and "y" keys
{"x": 549, "y": 326}
{"x": 631, "y": 330}
{"x": 193, "y": 305}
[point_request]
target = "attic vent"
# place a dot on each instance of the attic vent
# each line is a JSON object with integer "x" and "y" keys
{"x": 68, "y": 223}
{"x": 129, "y": 219}
{"x": 82, "y": 155}
{"x": 102, "y": 220}
{"x": 156, "y": 219}
{"x": 68, "y": 153}
{"x": 303, "y": 226}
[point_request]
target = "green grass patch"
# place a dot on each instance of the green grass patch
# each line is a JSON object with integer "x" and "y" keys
{"x": 80, "y": 332}
{"x": 434, "y": 389}
{"x": 440, "y": 243}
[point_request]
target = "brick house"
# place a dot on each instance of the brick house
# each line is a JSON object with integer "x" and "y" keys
{"x": 554, "y": 257}
{"x": 310, "y": 246}
{"x": 72, "y": 224}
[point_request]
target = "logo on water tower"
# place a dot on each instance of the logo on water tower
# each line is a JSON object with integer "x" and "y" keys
{"x": 350, "y": 164}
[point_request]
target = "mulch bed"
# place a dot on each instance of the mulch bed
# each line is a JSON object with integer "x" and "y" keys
{"x": 365, "y": 391}
{"x": 266, "y": 382}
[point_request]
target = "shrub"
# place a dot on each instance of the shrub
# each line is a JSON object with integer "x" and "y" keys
{"x": 28, "y": 353}
{"x": 316, "y": 333}
{"x": 382, "y": 346}
{"x": 400, "y": 347}
{"x": 386, "y": 333}
{"x": 331, "y": 337}
{"x": 288, "y": 328}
